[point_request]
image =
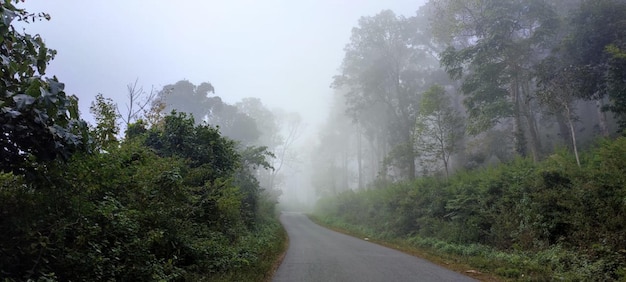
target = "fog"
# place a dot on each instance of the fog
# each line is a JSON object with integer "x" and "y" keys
{"x": 470, "y": 129}
{"x": 283, "y": 52}
{"x": 339, "y": 109}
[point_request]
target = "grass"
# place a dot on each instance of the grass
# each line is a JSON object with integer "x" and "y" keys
{"x": 485, "y": 263}
{"x": 454, "y": 263}
{"x": 272, "y": 242}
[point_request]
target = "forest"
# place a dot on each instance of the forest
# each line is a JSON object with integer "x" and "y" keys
{"x": 487, "y": 130}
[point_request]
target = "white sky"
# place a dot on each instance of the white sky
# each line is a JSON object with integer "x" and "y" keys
{"x": 282, "y": 51}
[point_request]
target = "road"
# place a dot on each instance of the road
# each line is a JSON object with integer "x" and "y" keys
{"x": 319, "y": 254}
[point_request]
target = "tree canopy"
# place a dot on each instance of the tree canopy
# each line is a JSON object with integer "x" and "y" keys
{"x": 39, "y": 121}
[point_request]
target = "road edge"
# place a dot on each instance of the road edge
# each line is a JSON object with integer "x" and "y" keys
{"x": 458, "y": 267}
{"x": 279, "y": 260}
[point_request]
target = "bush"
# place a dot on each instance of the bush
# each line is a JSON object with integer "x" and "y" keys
{"x": 567, "y": 221}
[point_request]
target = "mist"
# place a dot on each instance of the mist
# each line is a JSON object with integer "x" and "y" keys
{"x": 282, "y": 52}
{"x": 179, "y": 141}
{"x": 295, "y": 59}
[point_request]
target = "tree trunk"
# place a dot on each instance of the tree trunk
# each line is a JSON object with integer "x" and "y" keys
{"x": 410, "y": 155}
{"x": 381, "y": 152}
{"x": 445, "y": 158}
{"x": 358, "y": 155}
{"x": 518, "y": 130}
{"x": 533, "y": 140}
{"x": 411, "y": 163}
{"x": 345, "y": 172}
{"x": 564, "y": 129}
{"x": 573, "y": 133}
{"x": 604, "y": 128}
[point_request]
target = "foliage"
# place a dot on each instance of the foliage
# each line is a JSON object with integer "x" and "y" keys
{"x": 616, "y": 77}
{"x": 492, "y": 47}
{"x": 130, "y": 214}
{"x": 525, "y": 208}
{"x": 201, "y": 145}
{"x": 39, "y": 122}
{"x": 106, "y": 129}
{"x": 233, "y": 123}
{"x": 184, "y": 96}
{"x": 175, "y": 201}
{"x": 439, "y": 128}
{"x": 386, "y": 66}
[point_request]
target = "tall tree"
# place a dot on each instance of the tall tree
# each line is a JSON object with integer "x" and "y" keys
{"x": 493, "y": 46}
{"x": 439, "y": 128}
{"x": 232, "y": 122}
{"x": 184, "y": 96}
{"x": 616, "y": 76}
{"x": 560, "y": 86}
{"x": 291, "y": 128}
{"x": 385, "y": 68}
{"x": 266, "y": 121}
{"x": 598, "y": 27}
{"x": 332, "y": 155}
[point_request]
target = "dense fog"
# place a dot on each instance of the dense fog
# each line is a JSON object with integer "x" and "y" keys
{"x": 262, "y": 72}
{"x": 163, "y": 140}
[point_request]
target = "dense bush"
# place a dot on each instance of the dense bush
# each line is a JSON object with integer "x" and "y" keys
{"x": 172, "y": 202}
{"x": 518, "y": 206}
{"x": 130, "y": 214}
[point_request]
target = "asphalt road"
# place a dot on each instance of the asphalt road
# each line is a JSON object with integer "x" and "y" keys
{"x": 318, "y": 254}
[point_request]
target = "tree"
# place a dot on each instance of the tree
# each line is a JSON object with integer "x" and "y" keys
{"x": 291, "y": 127}
{"x": 201, "y": 145}
{"x": 39, "y": 122}
{"x": 232, "y": 122}
{"x": 331, "y": 157}
{"x": 155, "y": 115}
{"x": 385, "y": 68}
{"x": 597, "y": 32}
{"x": 184, "y": 96}
{"x": 252, "y": 160}
{"x": 559, "y": 88}
{"x": 439, "y": 127}
{"x": 616, "y": 78}
{"x": 266, "y": 121}
{"x": 106, "y": 129}
{"x": 493, "y": 46}
{"x": 135, "y": 106}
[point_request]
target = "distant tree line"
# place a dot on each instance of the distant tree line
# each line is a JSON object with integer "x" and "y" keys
{"x": 462, "y": 84}
{"x": 490, "y": 130}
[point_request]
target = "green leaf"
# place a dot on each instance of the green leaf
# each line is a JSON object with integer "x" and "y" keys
{"x": 42, "y": 61}
{"x": 33, "y": 89}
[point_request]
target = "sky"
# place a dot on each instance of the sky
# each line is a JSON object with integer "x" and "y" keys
{"x": 284, "y": 52}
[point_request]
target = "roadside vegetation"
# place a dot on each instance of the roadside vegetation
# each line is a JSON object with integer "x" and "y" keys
{"x": 490, "y": 132}
{"x": 522, "y": 220}
{"x": 171, "y": 199}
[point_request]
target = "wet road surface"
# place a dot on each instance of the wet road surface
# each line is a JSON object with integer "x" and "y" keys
{"x": 319, "y": 254}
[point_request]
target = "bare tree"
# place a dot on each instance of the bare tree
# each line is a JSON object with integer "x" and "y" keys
{"x": 293, "y": 129}
{"x": 138, "y": 100}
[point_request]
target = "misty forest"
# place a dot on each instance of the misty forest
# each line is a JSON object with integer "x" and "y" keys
{"x": 486, "y": 133}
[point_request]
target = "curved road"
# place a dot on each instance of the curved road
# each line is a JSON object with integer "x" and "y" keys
{"x": 318, "y": 254}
